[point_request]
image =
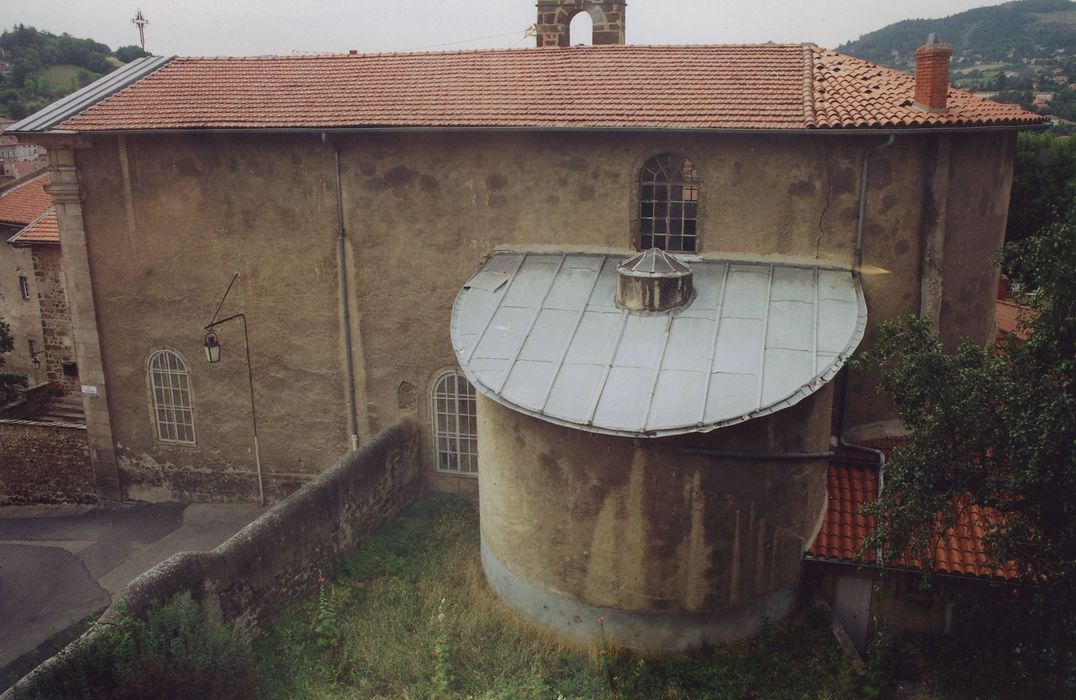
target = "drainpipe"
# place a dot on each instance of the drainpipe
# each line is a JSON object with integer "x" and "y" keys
{"x": 863, "y": 196}
{"x": 863, "y": 174}
{"x": 881, "y": 474}
{"x": 345, "y": 304}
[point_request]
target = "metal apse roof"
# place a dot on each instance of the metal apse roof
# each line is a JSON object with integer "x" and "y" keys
{"x": 541, "y": 334}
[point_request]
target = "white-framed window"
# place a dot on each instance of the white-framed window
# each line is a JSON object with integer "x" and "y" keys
{"x": 24, "y": 287}
{"x": 170, "y": 395}
{"x": 455, "y": 425}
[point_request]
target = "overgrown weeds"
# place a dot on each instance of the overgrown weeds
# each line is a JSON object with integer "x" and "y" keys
{"x": 177, "y": 651}
{"x": 416, "y": 619}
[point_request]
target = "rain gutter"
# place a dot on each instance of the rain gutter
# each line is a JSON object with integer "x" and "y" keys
{"x": 752, "y": 454}
{"x": 852, "y": 132}
{"x": 345, "y": 303}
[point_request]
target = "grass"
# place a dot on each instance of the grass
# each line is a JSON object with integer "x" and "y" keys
{"x": 409, "y": 615}
{"x": 59, "y": 76}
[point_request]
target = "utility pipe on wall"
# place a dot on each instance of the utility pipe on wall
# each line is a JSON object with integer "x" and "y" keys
{"x": 345, "y": 302}
{"x": 863, "y": 172}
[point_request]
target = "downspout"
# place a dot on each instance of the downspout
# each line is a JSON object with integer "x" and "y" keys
{"x": 863, "y": 172}
{"x": 345, "y": 304}
{"x": 881, "y": 475}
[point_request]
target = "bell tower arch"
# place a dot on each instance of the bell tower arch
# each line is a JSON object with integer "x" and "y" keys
{"x": 555, "y": 19}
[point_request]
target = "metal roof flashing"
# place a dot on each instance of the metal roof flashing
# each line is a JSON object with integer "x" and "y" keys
{"x": 542, "y": 334}
{"x": 79, "y": 101}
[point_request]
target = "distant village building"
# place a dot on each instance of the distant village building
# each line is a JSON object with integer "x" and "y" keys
{"x": 33, "y": 298}
{"x": 617, "y": 284}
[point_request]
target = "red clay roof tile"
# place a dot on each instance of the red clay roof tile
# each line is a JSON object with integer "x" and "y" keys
{"x": 845, "y": 528}
{"x": 24, "y": 203}
{"x": 43, "y": 230}
{"x": 770, "y": 86}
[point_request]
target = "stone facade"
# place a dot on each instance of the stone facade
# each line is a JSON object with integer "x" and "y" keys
{"x": 42, "y": 463}
{"x": 166, "y": 219}
{"x": 21, "y": 314}
{"x": 57, "y": 343}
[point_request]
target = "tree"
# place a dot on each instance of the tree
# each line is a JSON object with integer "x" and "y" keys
{"x": 1044, "y": 182}
{"x": 9, "y": 383}
{"x": 996, "y": 428}
{"x": 130, "y": 53}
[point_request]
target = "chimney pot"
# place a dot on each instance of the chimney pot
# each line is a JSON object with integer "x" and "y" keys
{"x": 932, "y": 75}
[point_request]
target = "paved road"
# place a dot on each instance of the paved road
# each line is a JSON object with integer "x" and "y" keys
{"x": 59, "y": 564}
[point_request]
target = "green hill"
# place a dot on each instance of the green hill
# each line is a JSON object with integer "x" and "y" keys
{"x": 46, "y": 66}
{"x": 1002, "y": 34}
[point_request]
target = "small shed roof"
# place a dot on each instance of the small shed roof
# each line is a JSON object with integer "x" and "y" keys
{"x": 542, "y": 335}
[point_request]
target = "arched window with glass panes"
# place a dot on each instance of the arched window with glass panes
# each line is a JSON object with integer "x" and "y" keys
{"x": 669, "y": 204}
{"x": 170, "y": 396}
{"x": 455, "y": 425}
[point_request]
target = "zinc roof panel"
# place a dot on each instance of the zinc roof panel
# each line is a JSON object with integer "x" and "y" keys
{"x": 598, "y": 367}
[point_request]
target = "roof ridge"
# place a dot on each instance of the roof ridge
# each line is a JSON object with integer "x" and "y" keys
{"x": 516, "y": 49}
{"x": 809, "y": 116}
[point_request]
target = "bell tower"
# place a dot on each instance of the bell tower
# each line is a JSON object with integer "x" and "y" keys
{"x": 555, "y": 18}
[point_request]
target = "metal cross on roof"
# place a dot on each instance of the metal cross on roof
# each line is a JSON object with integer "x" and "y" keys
{"x": 141, "y": 22}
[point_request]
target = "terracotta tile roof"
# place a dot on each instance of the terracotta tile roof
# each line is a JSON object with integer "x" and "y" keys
{"x": 44, "y": 229}
{"x": 1006, "y": 316}
{"x": 769, "y": 86}
{"x": 851, "y": 486}
{"x": 24, "y": 203}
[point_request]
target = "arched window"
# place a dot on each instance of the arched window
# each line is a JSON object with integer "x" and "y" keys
{"x": 455, "y": 426}
{"x": 170, "y": 390}
{"x": 581, "y": 29}
{"x": 669, "y": 200}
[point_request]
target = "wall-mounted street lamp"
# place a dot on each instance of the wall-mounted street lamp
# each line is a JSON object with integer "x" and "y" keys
{"x": 212, "y": 355}
{"x": 212, "y": 348}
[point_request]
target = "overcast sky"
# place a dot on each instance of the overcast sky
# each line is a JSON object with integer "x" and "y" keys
{"x": 254, "y": 27}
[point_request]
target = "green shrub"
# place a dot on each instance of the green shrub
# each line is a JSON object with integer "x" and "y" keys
{"x": 177, "y": 651}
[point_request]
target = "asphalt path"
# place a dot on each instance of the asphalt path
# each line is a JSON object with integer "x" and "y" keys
{"x": 61, "y": 564}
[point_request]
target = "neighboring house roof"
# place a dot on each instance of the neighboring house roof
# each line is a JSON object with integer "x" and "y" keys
{"x": 851, "y": 486}
{"x": 543, "y": 335}
{"x": 45, "y": 229}
{"x": 768, "y": 86}
{"x": 22, "y": 168}
{"x": 1007, "y": 316}
{"x": 26, "y": 202}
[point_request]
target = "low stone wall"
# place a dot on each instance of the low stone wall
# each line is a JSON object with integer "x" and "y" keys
{"x": 276, "y": 559}
{"x": 44, "y": 463}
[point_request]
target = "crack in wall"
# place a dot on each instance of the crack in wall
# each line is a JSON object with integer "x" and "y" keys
{"x": 829, "y": 191}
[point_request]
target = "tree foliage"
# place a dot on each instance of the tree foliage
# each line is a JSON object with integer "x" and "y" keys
{"x": 9, "y": 383}
{"x": 130, "y": 53}
{"x": 993, "y": 428}
{"x": 1044, "y": 183}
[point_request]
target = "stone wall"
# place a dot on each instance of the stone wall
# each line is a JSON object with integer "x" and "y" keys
{"x": 44, "y": 463}
{"x": 55, "y": 317}
{"x": 276, "y": 559}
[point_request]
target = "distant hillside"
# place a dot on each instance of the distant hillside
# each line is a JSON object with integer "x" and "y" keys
{"x": 38, "y": 67}
{"x": 1001, "y": 34}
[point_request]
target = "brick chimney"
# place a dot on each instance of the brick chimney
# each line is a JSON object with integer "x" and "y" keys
{"x": 555, "y": 18}
{"x": 932, "y": 75}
